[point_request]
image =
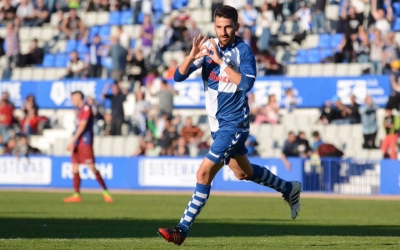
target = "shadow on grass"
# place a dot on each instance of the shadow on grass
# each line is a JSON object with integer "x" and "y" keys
{"x": 89, "y": 228}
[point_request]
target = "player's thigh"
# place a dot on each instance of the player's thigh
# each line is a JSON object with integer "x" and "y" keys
{"x": 226, "y": 145}
{"x": 241, "y": 166}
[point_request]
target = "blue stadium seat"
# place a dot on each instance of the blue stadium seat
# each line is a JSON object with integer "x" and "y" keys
{"x": 313, "y": 56}
{"x": 301, "y": 56}
{"x": 336, "y": 39}
{"x": 324, "y": 53}
{"x": 396, "y": 25}
{"x": 48, "y": 60}
{"x": 70, "y": 46}
{"x": 106, "y": 62}
{"x": 396, "y": 8}
{"x": 133, "y": 44}
{"x": 93, "y": 31}
{"x": 82, "y": 48}
{"x": 126, "y": 17}
{"x": 324, "y": 41}
{"x": 61, "y": 60}
{"x": 158, "y": 5}
{"x": 114, "y": 18}
{"x": 140, "y": 18}
{"x": 104, "y": 31}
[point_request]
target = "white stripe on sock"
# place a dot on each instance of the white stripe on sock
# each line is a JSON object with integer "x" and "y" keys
{"x": 197, "y": 202}
{"x": 192, "y": 210}
{"x": 264, "y": 174}
{"x": 188, "y": 218}
{"x": 276, "y": 182}
{"x": 283, "y": 184}
{"x": 201, "y": 195}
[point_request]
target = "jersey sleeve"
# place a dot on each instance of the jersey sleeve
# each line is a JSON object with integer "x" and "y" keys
{"x": 178, "y": 77}
{"x": 248, "y": 70}
{"x": 86, "y": 113}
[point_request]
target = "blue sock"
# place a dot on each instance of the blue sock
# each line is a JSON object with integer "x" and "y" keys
{"x": 266, "y": 178}
{"x": 199, "y": 199}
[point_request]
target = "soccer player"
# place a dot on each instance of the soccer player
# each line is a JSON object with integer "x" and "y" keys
{"x": 228, "y": 72}
{"x": 81, "y": 146}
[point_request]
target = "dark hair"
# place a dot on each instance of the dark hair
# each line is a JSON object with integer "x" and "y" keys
{"x": 78, "y": 92}
{"x": 315, "y": 134}
{"x": 228, "y": 12}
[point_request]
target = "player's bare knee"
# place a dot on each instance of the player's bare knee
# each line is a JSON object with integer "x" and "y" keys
{"x": 203, "y": 177}
{"x": 242, "y": 176}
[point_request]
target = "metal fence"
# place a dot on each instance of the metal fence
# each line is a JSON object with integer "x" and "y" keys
{"x": 342, "y": 176}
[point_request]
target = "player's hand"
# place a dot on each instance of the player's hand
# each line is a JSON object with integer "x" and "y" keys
{"x": 198, "y": 47}
{"x": 288, "y": 166}
{"x": 70, "y": 146}
{"x": 213, "y": 52}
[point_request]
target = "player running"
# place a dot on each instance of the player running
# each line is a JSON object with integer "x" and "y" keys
{"x": 228, "y": 72}
{"x": 81, "y": 146}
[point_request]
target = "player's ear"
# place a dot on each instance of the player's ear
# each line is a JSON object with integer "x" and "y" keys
{"x": 237, "y": 26}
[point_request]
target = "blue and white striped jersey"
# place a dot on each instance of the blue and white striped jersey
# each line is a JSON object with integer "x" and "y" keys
{"x": 226, "y": 102}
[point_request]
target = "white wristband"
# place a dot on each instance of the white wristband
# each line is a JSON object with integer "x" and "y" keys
{"x": 222, "y": 67}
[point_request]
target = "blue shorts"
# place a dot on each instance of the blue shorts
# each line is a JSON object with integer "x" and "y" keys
{"x": 227, "y": 144}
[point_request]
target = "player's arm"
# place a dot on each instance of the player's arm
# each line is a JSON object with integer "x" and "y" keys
{"x": 193, "y": 61}
{"x": 247, "y": 73}
{"x": 81, "y": 128}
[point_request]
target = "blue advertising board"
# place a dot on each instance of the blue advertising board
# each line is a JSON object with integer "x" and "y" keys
{"x": 390, "y": 177}
{"x": 141, "y": 173}
{"x": 310, "y": 92}
{"x": 52, "y": 94}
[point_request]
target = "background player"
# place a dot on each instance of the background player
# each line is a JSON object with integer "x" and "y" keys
{"x": 228, "y": 72}
{"x": 81, "y": 146}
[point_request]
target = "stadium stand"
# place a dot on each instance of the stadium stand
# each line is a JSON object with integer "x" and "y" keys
{"x": 302, "y": 54}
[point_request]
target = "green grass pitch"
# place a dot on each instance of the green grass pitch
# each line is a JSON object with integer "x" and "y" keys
{"x": 30, "y": 220}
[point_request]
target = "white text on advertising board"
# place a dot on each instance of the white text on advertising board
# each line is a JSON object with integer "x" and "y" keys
{"x": 229, "y": 175}
{"x": 168, "y": 172}
{"x": 105, "y": 169}
{"x": 24, "y": 171}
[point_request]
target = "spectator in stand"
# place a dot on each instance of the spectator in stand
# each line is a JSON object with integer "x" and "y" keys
{"x": 117, "y": 97}
{"x": 193, "y": 30}
{"x": 319, "y": 16}
{"x": 151, "y": 149}
{"x": 269, "y": 66}
{"x": 75, "y": 67}
{"x": 12, "y": 48}
{"x": 169, "y": 73}
{"x": 98, "y": 113}
{"x": 136, "y": 59}
{"x": 269, "y": 113}
{"x": 391, "y": 125}
{"x": 254, "y": 107}
{"x": 165, "y": 98}
{"x": 6, "y": 119}
{"x": 361, "y": 47}
{"x": 8, "y": 12}
{"x": 248, "y": 17}
{"x": 98, "y": 5}
{"x": 376, "y": 54}
{"x": 250, "y": 40}
{"x": 41, "y": 13}
{"x": 142, "y": 108}
{"x": 95, "y": 50}
{"x": 124, "y": 38}
{"x": 6, "y": 98}
{"x": 350, "y": 22}
{"x": 34, "y": 56}
{"x": 29, "y": 124}
{"x": 304, "y": 15}
{"x": 73, "y": 26}
{"x": 290, "y": 101}
{"x": 390, "y": 52}
{"x": 317, "y": 141}
{"x": 394, "y": 99}
{"x": 359, "y": 8}
{"x": 181, "y": 149}
{"x": 368, "y": 120}
{"x": 382, "y": 21}
{"x": 10, "y": 146}
{"x": 25, "y": 13}
{"x": 105, "y": 127}
{"x": 303, "y": 145}
{"x": 118, "y": 56}
{"x": 215, "y": 4}
{"x": 146, "y": 33}
{"x": 267, "y": 18}
{"x": 21, "y": 147}
{"x": 347, "y": 114}
{"x": 251, "y": 144}
{"x": 290, "y": 149}
{"x": 328, "y": 113}
{"x": 169, "y": 138}
{"x": 190, "y": 133}
{"x": 29, "y": 104}
{"x": 2, "y": 145}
